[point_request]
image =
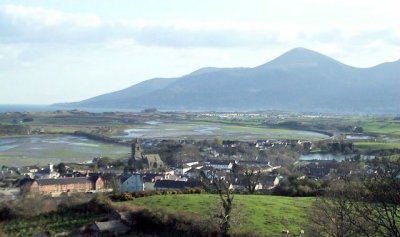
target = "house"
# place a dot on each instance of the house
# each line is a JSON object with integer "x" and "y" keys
{"x": 225, "y": 165}
{"x": 263, "y": 166}
{"x": 240, "y": 183}
{"x": 182, "y": 169}
{"x": 307, "y": 145}
{"x": 149, "y": 179}
{"x": 47, "y": 173}
{"x": 193, "y": 173}
{"x": 176, "y": 185}
{"x": 269, "y": 182}
{"x": 62, "y": 185}
{"x": 230, "y": 144}
{"x": 319, "y": 169}
{"x": 28, "y": 171}
{"x": 131, "y": 183}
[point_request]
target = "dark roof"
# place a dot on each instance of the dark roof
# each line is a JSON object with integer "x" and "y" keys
{"x": 172, "y": 184}
{"x": 193, "y": 170}
{"x": 268, "y": 179}
{"x": 44, "y": 171}
{"x": 258, "y": 162}
{"x": 221, "y": 162}
{"x": 148, "y": 177}
{"x": 65, "y": 181}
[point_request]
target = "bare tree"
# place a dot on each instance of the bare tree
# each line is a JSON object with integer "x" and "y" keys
{"x": 252, "y": 179}
{"x": 365, "y": 206}
{"x": 222, "y": 186}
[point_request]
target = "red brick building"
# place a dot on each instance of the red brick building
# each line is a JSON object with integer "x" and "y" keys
{"x": 62, "y": 185}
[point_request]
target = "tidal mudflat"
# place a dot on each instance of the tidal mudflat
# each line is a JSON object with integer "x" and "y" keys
{"x": 42, "y": 149}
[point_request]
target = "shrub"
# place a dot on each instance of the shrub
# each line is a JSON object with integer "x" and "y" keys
{"x": 7, "y": 212}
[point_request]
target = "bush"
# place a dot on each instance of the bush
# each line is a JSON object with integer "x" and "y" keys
{"x": 7, "y": 212}
{"x": 172, "y": 224}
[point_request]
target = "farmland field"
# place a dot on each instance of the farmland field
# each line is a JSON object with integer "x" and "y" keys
{"x": 386, "y": 127}
{"x": 268, "y": 215}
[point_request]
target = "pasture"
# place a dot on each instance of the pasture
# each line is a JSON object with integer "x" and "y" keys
{"x": 267, "y": 215}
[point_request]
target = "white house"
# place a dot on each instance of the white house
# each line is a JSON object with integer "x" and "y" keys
{"x": 182, "y": 169}
{"x": 226, "y": 165}
{"x": 131, "y": 183}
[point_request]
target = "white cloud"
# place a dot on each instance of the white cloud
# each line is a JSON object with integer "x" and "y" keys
{"x": 37, "y": 25}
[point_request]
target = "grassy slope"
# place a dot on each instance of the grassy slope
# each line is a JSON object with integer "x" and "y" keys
{"x": 268, "y": 215}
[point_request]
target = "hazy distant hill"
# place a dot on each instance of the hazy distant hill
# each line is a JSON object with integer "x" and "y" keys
{"x": 299, "y": 80}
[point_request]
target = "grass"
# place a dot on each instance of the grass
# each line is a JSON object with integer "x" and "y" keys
{"x": 383, "y": 127}
{"x": 377, "y": 145}
{"x": 267, "y": 215}
{"x": 54, "y": 223}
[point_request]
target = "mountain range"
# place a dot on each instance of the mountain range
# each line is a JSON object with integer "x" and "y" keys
{"x": 299, "y": 80}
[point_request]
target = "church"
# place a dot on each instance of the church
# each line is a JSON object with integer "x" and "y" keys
{"x": 138, "y": 160}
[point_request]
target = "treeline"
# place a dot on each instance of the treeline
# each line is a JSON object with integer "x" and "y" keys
{"x": 320, "y": 128}
{"x": 293, "y": 186}
{"x": 360, "y": 205}
{"x": 14, "y": 129}
{"x": 335, "y": 147}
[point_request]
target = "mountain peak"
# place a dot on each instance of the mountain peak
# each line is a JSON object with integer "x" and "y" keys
{"x": 301, "y": 58}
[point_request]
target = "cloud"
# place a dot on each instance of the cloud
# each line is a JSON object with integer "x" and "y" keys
{"x": 21, "y": 24}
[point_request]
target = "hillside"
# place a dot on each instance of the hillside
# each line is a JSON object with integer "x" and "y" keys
{"x": 299, "y": 80}
{"x": 267, "y": 215}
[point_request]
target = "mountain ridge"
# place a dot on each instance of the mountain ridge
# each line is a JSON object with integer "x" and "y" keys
{"x": 298, "y": 80}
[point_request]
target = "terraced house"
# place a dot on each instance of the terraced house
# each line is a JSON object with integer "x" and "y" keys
{"x": 63, "y": 185}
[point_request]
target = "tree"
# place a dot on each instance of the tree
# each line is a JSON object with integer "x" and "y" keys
{"x": 331, "y": 214}
{"x": 61, "y": 168}
{"x": 103, "y": 162}
{"x": 222, "y": 186}
{"x": 365, "y": 206}
{"x": 252, "y": 179}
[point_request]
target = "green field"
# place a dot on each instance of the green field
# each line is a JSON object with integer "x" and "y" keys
{"x": 369, "y": 145}
{"x": 268, "y": 215}
{"x": 382, "y": 127}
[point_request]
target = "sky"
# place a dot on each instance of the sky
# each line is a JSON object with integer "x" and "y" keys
{"x": 54, "y": 51}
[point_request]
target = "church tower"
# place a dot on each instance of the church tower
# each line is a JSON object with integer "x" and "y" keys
{"x": 136, "y": 153}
